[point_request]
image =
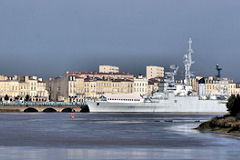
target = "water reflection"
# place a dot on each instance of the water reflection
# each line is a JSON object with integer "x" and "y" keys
{"x": 29, "y": 153}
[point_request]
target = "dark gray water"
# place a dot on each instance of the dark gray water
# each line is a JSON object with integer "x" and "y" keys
{"x": 55, "y": 136}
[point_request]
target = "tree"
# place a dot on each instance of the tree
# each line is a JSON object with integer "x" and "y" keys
{"x": 27, "y": 98}
{"x": 6, "y": 98}
{"x": 233, "y": 105}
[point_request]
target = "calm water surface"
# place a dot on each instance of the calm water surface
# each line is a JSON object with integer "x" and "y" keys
{"x": 56, "y": 136}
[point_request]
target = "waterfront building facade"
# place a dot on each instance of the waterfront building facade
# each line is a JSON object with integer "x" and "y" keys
{"x": 216, "y": 86}
{"x": 194, "y": 82}
{"x": 28, "y": 88}
{"x": 10, "y": 88}
{"x": 154, "y": 71}
{"x": 153, "y": 85}
{"x": 140, "y": 85}
{"x": 96, "y": 87}
{"x": 78, "y": 86}
{"x": 67, "y": 88}
{"x": 108, "y": 69}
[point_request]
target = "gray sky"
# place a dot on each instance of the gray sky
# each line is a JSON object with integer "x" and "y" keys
{"x": 49, "y": 37}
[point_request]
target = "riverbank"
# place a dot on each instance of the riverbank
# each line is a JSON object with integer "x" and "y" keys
{"x": 226, "y": 124}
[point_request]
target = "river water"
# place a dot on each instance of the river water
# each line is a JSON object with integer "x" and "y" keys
{"x": 55, "y": 136}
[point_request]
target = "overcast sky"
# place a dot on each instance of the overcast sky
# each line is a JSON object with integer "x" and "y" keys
{"x": 49, "y": 37}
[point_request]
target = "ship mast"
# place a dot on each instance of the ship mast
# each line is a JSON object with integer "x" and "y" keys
{"x": 187, "y": 63}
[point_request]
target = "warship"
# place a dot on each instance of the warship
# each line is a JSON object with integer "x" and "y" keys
{"x": 170, "y": 97}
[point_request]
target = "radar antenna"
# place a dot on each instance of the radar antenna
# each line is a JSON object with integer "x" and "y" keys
{"x": 187, "y": 63}
{"x": 219, "y": 71}
{"x": 171, "y": 75}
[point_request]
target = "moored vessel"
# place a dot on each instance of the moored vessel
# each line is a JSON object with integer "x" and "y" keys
{"x": 170, "y": 97}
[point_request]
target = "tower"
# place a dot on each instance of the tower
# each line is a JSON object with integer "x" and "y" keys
{"x": 187, "y": 63}
{"x": 219, "y": 71}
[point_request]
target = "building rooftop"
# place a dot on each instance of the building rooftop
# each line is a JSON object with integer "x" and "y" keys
{"x": 97, "y": 73}
{"x": 103, "y": 79}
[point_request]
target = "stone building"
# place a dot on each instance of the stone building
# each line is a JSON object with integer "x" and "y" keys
{"x": 108, "y": 69}
{"x": 215, "y": 86}
{"x": 153, "y": 85}
{"x": 154, "y": 71}
{"x": 140, "y": 85}
{"x": 95, "y": 87}
{"x": 19, "y": 88}
{"x": 194, "y": 83}
{"x": 67, "y": 88}
{"x": 78, "y": 86}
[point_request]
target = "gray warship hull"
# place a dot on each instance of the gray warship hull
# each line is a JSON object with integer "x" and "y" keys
{"x": 184, "y": 105}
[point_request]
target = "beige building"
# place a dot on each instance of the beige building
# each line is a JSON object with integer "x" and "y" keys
{"x": 67, "y": 88}
{"x": 10, "y": 88}
{"x": 154, "y": 71}
{"x": 140, "y": 85}
{"x": 194, "y": 83}
{"x": 153, "y": 85}
{"x": 237, "y": 89}
{"x": 77, "y": 86}
{"x": 108, "y": 69}
{"x": 95, "y": 87}
{"x": 233, "y": 88}
{"x": 18, "y": 88}
{"x": 214, "y": 86}
{"x": 120, "y": 75}
{"x": 120, "y": 86}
